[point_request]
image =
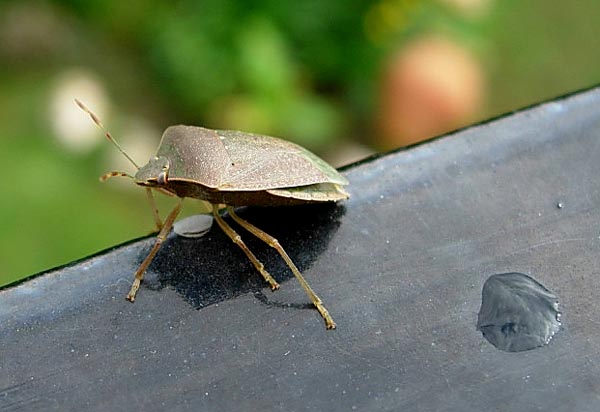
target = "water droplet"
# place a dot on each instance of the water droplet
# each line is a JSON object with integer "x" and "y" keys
{"x": 517, "y": 313}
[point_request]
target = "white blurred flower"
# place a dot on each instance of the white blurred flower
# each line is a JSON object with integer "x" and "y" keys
{"x": 71, "y": 126}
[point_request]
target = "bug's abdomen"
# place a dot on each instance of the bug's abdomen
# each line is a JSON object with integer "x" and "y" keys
{"x": 253, "y": 198}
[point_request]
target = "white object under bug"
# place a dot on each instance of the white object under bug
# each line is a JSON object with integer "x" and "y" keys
{"x": 193, "y": 226}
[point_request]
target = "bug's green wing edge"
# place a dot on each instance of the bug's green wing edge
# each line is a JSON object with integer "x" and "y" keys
{"x": 332, "y": 174}
{"x": 320, "y": 192}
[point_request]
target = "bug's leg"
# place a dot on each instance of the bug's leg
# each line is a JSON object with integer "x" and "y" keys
{"x": 160, "y": 238}
{"x": 274, "y": 243}
{"x": 232, "y": 234}
{"x": 157, "y": 220}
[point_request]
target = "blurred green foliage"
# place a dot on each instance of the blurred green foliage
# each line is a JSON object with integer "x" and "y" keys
{"x": 305, "y": 70}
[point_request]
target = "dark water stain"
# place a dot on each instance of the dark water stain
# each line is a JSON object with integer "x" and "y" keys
{"x": 517, "y": 312}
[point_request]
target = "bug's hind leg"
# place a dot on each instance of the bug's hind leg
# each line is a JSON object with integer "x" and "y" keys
{"x": 274, "y": 243}
{"x": 160, "y": 238}
{"x": 232, "y": 234}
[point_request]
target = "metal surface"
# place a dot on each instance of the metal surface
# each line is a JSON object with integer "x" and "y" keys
{"x": 401, "y": 265}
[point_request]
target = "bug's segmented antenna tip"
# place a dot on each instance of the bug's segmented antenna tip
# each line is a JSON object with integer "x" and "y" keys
{"x": 96, "y": 120}
{"x": 89, "y": 112}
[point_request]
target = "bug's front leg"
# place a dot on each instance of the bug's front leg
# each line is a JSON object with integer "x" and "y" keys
{"x": 155, "y": 215}
{"x": 162, "y": 235}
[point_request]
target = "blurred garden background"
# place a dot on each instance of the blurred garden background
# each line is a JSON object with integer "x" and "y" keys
{"x": 343, "y": 78}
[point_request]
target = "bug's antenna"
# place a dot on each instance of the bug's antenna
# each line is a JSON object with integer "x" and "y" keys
{"x": 108, "y": 175}
{"x": 96, "y": 120}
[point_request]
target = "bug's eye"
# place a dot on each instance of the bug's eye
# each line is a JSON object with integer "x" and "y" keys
{"x": 162, "y": 178}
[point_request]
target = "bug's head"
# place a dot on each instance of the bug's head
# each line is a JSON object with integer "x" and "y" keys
{"x": 154, "y": 173}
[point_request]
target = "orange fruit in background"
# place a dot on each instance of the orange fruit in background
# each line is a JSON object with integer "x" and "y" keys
{"x": 431, "y": 86}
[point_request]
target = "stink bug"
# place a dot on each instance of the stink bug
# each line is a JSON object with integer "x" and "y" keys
{"x": 231, "y": 168}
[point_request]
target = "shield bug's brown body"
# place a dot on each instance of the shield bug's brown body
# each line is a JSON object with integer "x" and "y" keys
{"x": 232, "y": 168}
{"x": 239, "y": 169}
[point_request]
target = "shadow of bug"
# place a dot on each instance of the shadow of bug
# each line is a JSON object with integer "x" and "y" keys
{"x": 211, "y": 269}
